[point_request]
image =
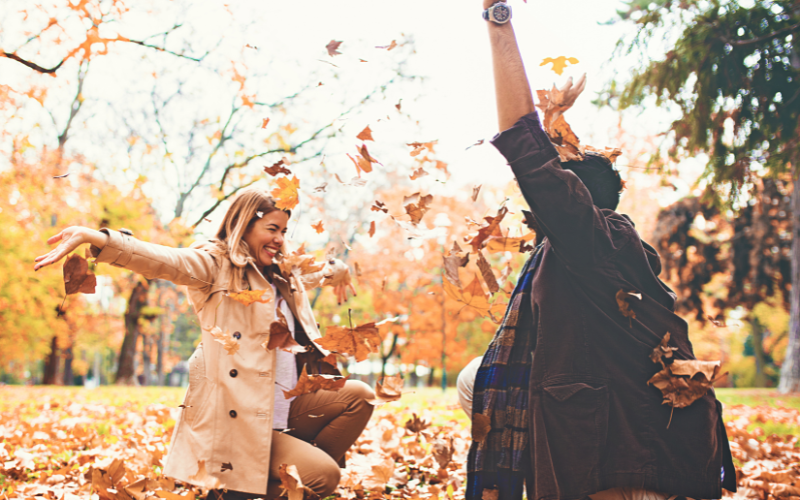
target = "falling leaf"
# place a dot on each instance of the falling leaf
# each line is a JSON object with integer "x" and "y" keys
{"x": 391, "y": 389}
{"x": 610, "y": 153}
{"x": 419, "y": 147}
{"x": 416, "y": 424}
{"x": 355, "y": 181}
{"x": 77, "y": 276}
{"x": 480, "y": 141}
{"x": 229, "y": 343}
{"x": 278, "y": 168}
{"x": 559, "y": 63}
{"x": 62, "y": 176}
{"x": 398, "y": 104}
{"x": 321, "y": 188}
{"x": 264, "y": 122}
{"x": 226, "y": 466}
{"x": 333, "y": 47}
{"x": 306, "y": 384}
{"x": 416, "y": 206}
{"x": 481, "y": 425}
{"x": 318, "y": 227}
{"x": 285, "y": 195}
{"x": 365, "y": 135}
{"x": 361, "y": 163}
{"x": 488, "y": 275}
{"x": 455, "y": 259}
{"x": 372, "y": 229}
{"x": 492, "y": 224}
{"x": 715, "y": 321}
{"x": 206, "y": 219}
{"x": 416, "y": 174}
{"x": 496, "y": 244}
{"x": 473, "y": 296}
{"x": 291, "y": 482}
{"x": 379, "y": 206}
{"x": 301, "y": 261}
{"x": 249, "y": 297}
{"x": 358, "y": 342}
{"x": 388, "y": 47}
{"x": 475, "y": 191}
{"x": 624, "y": 306}
{"x": 280, "y": 337}
{"x": 662, "y": 350}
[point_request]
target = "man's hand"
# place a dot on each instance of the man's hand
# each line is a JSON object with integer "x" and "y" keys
{"x": 339, "y": 279}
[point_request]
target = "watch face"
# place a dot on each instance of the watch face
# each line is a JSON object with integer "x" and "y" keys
{"x": 501, "y": 13}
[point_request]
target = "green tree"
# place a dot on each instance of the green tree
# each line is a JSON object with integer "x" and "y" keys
{"x": 730, "y": 73}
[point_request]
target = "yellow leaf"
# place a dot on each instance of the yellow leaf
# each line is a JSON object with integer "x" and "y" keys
{"x": 286, "y": 197}
{"x": 559, "y": 63}
{"x": 248, "y": 297}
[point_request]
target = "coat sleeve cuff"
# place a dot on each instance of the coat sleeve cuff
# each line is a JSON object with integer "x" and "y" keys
{"x": 118, "y": 250}
{"x": 525, "y": 140}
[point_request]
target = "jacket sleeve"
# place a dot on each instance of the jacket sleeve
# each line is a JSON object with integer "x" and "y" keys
{"x": 561, "y": 204}
{"x": 192, "y": 267}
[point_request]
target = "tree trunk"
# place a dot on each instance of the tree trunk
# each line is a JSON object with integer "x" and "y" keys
{"x": 385, "y": 358}
{"x": 66, "y": 376}
{"x": 126, "y": 370}
{"x": 147, "y": 361}
{"x": 51, "y": 364}
{"x": 757, "y": 329}
{"x": 790, "y": 371}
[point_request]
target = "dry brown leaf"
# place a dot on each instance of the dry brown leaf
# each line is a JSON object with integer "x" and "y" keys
{"x": 472, "y": 296}
{"x": 662, "y": 350}
{"x": 379, "y": 206}
{"x": 455, "y": 259}
{"x": 372, "y": 229}
{"x": 390, "y": 390}
{"x": 202, "y": 478}
{"x": 475, "y": 191}
{"x": 610, "y": 153}
{"x": 487, "y": 273}
{"x": 280, "y": 337}
{"x": 359, "y": 341}
{"x": 419, "y": 147}
{"x": 333, "y": 47}
{"x": 416, "y": 174}
{"x": 416, "y": 206}
{"x": 481, "y": 425}
{"x": 77, "y": 276}
{"x": 278, "y": 168}
{"x": 365, "y": 135}
{"x": 249, "y": 297}
{"x": 496, "y": 244}
{"x": 685, "y": 381}
{"x": 291, "y": 482}
{"x": 443, "y": 451}
{"x": 307, "y": 384}
{"x": 303, "y": 262}
{"x": 229, "y": 343}
{"x": 624, "y": 305}
{"x": 416, "y": 424}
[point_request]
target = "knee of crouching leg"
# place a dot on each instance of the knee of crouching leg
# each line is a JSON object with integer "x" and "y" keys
{"x": 330, "y": 480}
{"x": 359, "y": 389}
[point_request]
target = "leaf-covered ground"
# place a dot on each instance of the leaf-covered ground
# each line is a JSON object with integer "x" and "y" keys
{"x": 70, "y": 443}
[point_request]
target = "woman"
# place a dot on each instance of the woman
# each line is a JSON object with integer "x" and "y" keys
{"x": 236, "y": 426}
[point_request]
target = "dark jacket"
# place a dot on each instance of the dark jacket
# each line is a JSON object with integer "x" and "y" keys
{"x": 594, "y": 422}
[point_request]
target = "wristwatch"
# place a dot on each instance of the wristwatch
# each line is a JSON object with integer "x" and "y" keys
{"x": 499, "y": 13}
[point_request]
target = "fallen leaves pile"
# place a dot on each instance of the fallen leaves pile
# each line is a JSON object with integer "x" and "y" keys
{"x": 767, "y": 465}
{"x": 69, "y": 443}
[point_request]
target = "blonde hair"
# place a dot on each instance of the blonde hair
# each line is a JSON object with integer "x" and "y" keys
{"x": 249, "y": 206}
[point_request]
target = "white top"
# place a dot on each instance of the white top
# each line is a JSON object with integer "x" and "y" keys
{"x": 285, "y": 369}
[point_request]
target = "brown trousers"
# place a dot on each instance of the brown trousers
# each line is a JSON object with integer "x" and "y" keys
{"x": 322, "y": 427}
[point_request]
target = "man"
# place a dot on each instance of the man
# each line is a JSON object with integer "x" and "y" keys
{"x": 563, "y": 384}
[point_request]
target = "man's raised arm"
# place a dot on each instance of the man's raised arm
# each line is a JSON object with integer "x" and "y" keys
{"x": 514, "y": 98}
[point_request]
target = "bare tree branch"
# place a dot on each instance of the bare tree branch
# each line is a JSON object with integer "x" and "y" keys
{"x": 769, "y": 36}
{"x": 32, "y": 65}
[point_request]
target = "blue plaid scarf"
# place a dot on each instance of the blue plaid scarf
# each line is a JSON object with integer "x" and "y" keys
{"x": 501, "y": 461}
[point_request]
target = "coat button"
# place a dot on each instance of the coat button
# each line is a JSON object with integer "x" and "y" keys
{"x": 234, "y": 373}
{"x": 232, "y": 413}
{"x": 237, "y": 335}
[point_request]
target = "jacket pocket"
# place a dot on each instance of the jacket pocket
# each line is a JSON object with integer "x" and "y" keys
{"x": 576, "y": 425}
{"x": 196, "y": 395}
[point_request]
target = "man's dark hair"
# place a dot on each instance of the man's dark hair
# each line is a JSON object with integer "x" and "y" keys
{"x": 600, "y": 178}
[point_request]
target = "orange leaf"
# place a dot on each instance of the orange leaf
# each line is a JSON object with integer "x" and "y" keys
{"x": 286, "y": 197}
{"x": 371, "y": 229}
{"x": 365, "y": 135}
{"x": 306, "y": 384}
{"x": 493, "y": 224}
{"x": 249, "y": 297}
{"x": 416, "y": 174}
{"x": 359, "y": 341}
{"x": 264, "y": 122}
{"x": 416, "y": 206}
{"x": 229, "y": 343}
{"x": 333, "y": 47}
{"x": 559, "y": 63}
{"x": 318, "y": 227}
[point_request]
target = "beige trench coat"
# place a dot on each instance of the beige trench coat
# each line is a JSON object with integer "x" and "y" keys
{"x": 227, "y": 417}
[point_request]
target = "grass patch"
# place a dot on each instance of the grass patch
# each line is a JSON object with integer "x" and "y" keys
{"x": 757, "y": 397}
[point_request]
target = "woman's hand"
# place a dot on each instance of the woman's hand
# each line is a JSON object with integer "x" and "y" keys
{"x": 339, "y": 279}
{"x": 70, "y": 238}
